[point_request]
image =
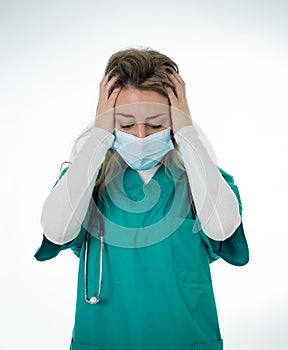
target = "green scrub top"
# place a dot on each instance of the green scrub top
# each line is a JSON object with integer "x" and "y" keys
{"x": 157, "y": 291}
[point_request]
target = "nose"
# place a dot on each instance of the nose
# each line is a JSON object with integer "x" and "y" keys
{"x": 141, "y": 130}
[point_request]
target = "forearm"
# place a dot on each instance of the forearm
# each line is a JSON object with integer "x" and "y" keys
{"x": 66, "y": 205}
{"x": 216, "y": 204}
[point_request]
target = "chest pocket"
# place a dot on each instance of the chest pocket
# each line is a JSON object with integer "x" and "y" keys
{"x": 190, "y": 256}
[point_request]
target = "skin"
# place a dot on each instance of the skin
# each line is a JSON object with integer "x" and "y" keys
{"x": 141, "y": 113}
{"x": 112, "y": 110}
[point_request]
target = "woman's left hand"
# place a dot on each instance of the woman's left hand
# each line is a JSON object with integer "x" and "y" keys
{"x": 180, "y": 114}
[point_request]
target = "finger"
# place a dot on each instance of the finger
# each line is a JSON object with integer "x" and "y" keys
{"x": 176, "y": 102}
{"x": 113, "y": 97}
{"x": 172, "y": 97}
{"x": 112, "y": 80}
{"x": 104, "y": 80}
{"x": 105, "y": 87}
{"x": 179, "y": 84}
{"x": 106, "y": 84}
{"x": 176, "y": 77}
{"x": 179, "y": 78}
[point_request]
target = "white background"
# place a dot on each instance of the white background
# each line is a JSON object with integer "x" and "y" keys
{"x": 233, "y": 57}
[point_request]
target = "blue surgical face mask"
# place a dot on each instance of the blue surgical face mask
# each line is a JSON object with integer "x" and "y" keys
{"x": 142, "y": 153}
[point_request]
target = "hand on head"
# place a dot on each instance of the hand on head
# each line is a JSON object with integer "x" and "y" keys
{"x": 179, "y": 109}
{"x": 105, "y": 107}
{"x": 180, "y": 114}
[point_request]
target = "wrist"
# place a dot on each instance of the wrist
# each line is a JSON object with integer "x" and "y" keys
{"x": 180, "y": 119}
{"x": 105, "y": 121}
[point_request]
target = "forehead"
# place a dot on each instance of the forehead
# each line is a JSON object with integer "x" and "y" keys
{"x": 141, "y": 105}
{"x": 131, "y": 96}
{"x": 142, "y": 111}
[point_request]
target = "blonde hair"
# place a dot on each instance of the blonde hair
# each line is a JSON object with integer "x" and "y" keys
{"x": 143, "y": 69}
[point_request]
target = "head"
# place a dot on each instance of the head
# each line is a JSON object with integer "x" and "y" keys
{"x": 142, "y": 69}
{"x": 142, "y": 106}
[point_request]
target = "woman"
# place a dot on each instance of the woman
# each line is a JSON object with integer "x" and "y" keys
{"x": 146, "y": 209}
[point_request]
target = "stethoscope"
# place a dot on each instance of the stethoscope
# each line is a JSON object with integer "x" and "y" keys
{"x": 94, "y": 215}
{"x": 94, "y": 299}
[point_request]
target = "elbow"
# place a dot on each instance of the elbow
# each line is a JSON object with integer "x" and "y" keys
{"x": 220, "y": 231}
{"x": 53, "y": 224}
{"x": 231, "y": 227}
{"x": 235, "y": 249}
{"x": 58, "y": 228}
{"x": 54, "y": 219}
{"x": 53, "y": 230}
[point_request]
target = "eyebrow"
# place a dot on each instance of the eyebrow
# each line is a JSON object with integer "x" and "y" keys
{"x": 133, "y": 116}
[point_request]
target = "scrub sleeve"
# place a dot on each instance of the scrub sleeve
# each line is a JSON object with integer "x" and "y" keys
{"x": 233, "y": 250}
{"x": 49, "y": 250}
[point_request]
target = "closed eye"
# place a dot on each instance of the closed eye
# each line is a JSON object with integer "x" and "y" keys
{"x": 127, "y": 127}
{"x": 153, "y": 126}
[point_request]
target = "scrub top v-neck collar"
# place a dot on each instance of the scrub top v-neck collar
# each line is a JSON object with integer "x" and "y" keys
{"x": 134, "y": 186}
{"x": 147, "y": 175}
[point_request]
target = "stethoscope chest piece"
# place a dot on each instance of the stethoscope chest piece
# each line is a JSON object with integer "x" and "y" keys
{"x": 92, "y": 301}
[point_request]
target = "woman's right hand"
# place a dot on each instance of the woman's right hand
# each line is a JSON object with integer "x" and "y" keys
{"x": 105, "y": 108}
